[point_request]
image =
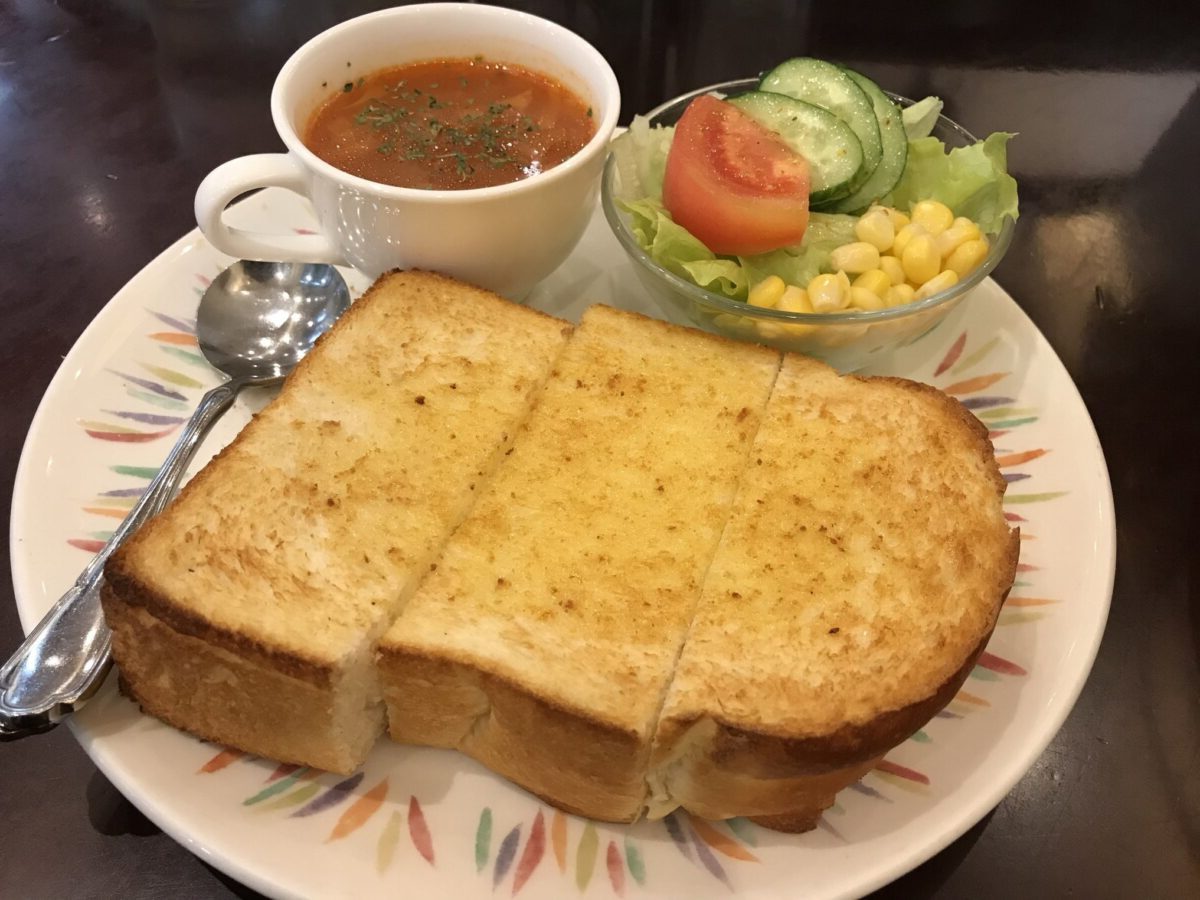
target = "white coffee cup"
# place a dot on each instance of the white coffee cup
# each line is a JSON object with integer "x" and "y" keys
{"x": 506, "y": 238}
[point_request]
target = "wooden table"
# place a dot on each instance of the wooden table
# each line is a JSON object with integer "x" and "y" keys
{"x": 112, "y": 111}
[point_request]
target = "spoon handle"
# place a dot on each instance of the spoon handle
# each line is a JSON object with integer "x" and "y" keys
{"x": 67, "y": 654}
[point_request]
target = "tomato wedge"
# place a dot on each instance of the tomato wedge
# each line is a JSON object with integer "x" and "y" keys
{"x": 733, "y": 183}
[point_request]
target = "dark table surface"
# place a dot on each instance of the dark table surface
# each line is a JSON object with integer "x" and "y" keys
{"x": 111, "y": 113}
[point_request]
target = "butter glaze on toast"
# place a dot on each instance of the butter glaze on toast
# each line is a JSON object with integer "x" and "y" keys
{"x": 543, "y": 642}
{"x": 247, "y": 612}
{"x": 860, "y": 575}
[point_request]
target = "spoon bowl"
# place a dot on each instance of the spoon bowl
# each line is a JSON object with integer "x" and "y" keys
{"x": 255, "y": 322}
{"x": 258, "y": 319}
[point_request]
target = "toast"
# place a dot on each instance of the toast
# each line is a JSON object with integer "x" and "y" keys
{"x": 544, "y": 641}
{"x": 858, "y": 578}
{"x": 632, "y": 567}
{"x": 247, "y": 612}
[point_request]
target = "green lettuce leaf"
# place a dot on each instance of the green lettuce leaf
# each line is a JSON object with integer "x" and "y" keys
{"x": 973, "y": 181}
{"x": 721, "y": 276}
{"x": 799, "y": 264}
{"x": 641, "y": 157}
{"x": 920, "y": 118}
{"x": 676, "y": 249}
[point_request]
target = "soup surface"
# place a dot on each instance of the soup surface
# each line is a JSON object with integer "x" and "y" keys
{"x": 450, "y": 124}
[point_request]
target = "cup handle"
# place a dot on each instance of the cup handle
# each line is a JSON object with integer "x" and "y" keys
{"x": 228, "y": 181}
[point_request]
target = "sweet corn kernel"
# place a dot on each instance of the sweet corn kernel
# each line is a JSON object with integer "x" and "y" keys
{"x": 876, "y": 281}
{"x": 967, "y": 256}
{"x": 796, "y": 330}
{"x": 827, "y": 293}
{"x": 899, "y": 294}
{"x": 934, "y": 215}
{"x": 956, "y": 235}
{"x": 875, "y": 227}
{"x": 864, "y": 298}
{"x": 936, "y": 284}
{"x": 771, "y": 331}
{"x": 730, "y": 324}
{"x": 903, "y": 236}
{"x": 767, "y": 292}
{"x": 842, "y": 335}
{"x": 794, "y": 299}
{"x": 855, "y": 258}
{"x": 899, "y": 219}
{"x": 921, "y": 260}
{"x": 890, "y": 265}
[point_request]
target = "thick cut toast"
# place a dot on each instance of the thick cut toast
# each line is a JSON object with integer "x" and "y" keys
{"x": 859, "y": 576}
{"x": 639, "y": 568}
{"x": 247, "y": 612}
{"x": 543, "y": 642}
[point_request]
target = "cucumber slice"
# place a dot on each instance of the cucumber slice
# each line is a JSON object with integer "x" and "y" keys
{"x": 828, "y": 86}
{"x": 833, "y": 152}
{"x": 895, "y": 150}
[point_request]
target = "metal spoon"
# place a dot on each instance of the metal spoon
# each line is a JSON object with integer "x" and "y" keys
{"x": 254, "y": 323}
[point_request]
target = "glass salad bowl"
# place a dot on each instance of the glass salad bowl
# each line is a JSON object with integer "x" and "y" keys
{"x": 847, "y": 339}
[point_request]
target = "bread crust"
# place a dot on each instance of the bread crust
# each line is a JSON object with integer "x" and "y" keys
{"x": 784, "y": 782}
{"x": 566, "y": 756}
{"x": 197, "y": 686}
{"x": 124, "y": 586}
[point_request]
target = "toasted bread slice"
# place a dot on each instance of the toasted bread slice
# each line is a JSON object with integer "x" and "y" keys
{"x": 248, "y": 611}
{"x": 543, "y": 642}
{"x": 860, "y": 575}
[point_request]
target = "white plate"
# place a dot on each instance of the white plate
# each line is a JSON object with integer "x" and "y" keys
{"x": 433, "y": 823}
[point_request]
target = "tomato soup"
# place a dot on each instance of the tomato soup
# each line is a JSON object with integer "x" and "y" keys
{"x": 450, "y": 124}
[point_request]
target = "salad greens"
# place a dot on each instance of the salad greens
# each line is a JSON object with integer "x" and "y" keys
{"x": 973, "y": 181}
{"x": 919, "y": 119}
{"x": 675, "y": 248}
